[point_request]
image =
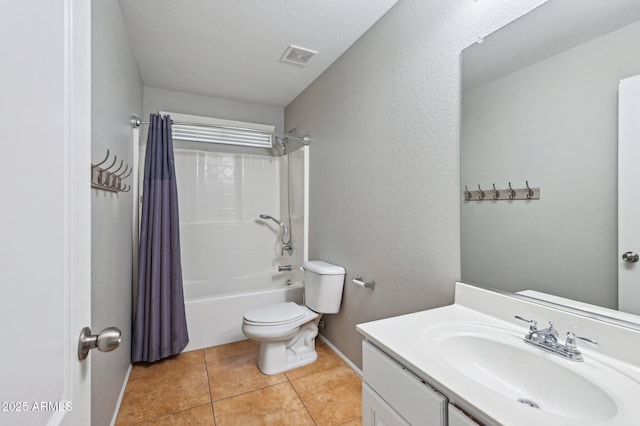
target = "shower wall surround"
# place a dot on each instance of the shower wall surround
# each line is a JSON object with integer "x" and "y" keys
{"x": 221, "y": 196}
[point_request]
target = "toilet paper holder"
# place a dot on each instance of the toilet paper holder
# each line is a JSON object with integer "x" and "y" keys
{"x": 359, "y": 282}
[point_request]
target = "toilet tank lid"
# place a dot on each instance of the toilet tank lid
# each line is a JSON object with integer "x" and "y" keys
{"x": 323, "y": 268}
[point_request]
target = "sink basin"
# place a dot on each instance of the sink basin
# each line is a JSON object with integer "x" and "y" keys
{"x": 479, "y": 361}
{"x": 497, "y": 360}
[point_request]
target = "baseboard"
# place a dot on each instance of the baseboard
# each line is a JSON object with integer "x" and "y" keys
{"x": 124, "y": 386}
{"x": 341, "y": 355}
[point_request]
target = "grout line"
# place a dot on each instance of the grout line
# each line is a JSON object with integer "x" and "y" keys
{"x": 172, "y": 413}
{"x": 350, "y": 420}
{"x": 303, "y": 404}
{"x": 206, "y": 369}
{"x": 249, "y": 391}
{"x": 225, "y": 357}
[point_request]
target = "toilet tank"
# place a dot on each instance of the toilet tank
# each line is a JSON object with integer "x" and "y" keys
{"x": 323, "y": 284}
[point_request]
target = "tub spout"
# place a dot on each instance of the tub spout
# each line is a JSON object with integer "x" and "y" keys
{"x": 284, "y": 268}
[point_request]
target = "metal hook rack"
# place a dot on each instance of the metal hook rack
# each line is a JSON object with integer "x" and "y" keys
{"x": 110, "y": 180}
{"x": 507, "y": 194}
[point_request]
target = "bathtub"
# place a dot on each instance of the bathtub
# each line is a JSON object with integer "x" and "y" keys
{"x": 215, "y": 309}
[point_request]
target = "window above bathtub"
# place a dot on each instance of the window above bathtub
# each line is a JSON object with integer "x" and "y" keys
{"x": 195, "y": 128}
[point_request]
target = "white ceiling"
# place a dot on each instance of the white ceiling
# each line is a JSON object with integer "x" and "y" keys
{"x": 552, "y": 28}
{"x": 232, "y": 48}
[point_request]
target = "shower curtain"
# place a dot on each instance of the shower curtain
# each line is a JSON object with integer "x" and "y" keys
{"x": 160, "y": 325}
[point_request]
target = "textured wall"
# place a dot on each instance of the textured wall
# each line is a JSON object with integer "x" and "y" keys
{"x": 116, "y": 95}
{"x": 554, "y": 123}
{"x": 187, "y": 103}
{"x": 384, "y": 171}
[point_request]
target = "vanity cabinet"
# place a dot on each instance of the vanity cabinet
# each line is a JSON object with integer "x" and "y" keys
{"x": 376, "y": 411}
{"x": 457, "y": 417}
{"x": 394, "y": 396}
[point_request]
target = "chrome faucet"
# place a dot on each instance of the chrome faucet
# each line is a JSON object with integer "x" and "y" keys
{"x": 547, "y": 340}
{"x": 284, "y": 268}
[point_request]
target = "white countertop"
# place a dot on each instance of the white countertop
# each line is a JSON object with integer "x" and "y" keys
{"x": 406, "y": 339}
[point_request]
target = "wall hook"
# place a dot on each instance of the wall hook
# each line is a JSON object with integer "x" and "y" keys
{"x": 115, "y": 159}
{"x": 529, "y": 191}
{"x": 508, "y": 194}
{"x": 512, "y": 193}
{"x": 467, "y": 194}
{"x": 119, "y": 167}
{"x": 103, "y": 161}
{"x": 110, "y": 180}
{"x": 125, "y": 171}
{"x": 481, "y": 195}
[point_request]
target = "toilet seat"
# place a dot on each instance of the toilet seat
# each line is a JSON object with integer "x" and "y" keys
{"x": 277, "y": 314}
{"x": 289, "y": 317}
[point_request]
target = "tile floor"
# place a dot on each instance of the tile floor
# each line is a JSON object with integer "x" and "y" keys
{"x": 222, "y": 386}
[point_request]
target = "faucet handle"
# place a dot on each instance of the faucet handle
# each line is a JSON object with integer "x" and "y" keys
{"x": 570, "y": 343}
{"x": 533, "y": 324}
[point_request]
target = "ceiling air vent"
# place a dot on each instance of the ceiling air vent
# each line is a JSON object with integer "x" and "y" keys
{"x": 298, "y": 55}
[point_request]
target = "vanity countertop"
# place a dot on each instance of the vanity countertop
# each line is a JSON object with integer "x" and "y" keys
{"x": 473, "y": 352}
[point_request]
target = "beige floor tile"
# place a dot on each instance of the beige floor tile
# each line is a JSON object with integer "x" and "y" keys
{"x": 238, "y": 374}
{"x": 201, "y": 415}
{"x": 169, "y": 386}
{"x": 232, "y": 349}
{"x": 327, "y": 359}
{"x": 179, "y": 390}
{"x": 355, "y": 422}
{"x": 168, "y": 365}
{"x": 276, "y": 405}
{"x": 333, "y": 396}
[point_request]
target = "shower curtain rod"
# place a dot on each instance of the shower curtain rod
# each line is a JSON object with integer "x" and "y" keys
{"x": 136, "y": 122}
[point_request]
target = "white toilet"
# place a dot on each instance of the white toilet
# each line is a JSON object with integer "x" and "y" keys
{"x": 287, "y": 331}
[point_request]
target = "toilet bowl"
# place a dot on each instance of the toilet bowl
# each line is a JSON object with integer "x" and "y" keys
{"x": 287, "y": 331}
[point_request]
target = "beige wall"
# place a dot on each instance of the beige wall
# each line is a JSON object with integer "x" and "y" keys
{"x": 384, "y": 159}
{"x": 116, "y": 95}
{"x": 187, "y": 103}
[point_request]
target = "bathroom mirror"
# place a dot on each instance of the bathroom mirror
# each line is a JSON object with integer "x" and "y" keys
{"x": 540, "y": 104}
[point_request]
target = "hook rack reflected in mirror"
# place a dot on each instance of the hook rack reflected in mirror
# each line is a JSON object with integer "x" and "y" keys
{"x": 508, "y": 194}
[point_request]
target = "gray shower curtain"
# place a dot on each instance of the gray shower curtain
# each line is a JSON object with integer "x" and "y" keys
{"x": 160, "y": 325}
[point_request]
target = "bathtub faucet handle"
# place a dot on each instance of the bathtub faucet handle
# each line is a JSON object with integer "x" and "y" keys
{"x": 288, "y": 247}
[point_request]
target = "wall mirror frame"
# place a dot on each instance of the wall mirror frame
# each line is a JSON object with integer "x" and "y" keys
{"x": 539, "y": 104}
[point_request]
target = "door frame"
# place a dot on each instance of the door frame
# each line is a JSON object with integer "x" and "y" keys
{"x": 77, "y": 93}
{"x": 628, "y": 200}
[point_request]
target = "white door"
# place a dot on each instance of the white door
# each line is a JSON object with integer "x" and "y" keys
{"x": 45, "y": 134}
{"x": 629, "y": 195}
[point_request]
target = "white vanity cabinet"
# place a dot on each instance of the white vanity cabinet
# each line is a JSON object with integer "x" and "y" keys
{"x": 392, "y": 395}
{"x": 457, "y": 417}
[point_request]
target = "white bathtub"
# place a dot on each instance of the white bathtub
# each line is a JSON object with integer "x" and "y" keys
{"x": 214, "y": 309}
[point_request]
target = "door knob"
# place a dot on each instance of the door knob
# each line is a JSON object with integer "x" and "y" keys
{"x": 108, "y": 340}
{"x": 630, "y": 257}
